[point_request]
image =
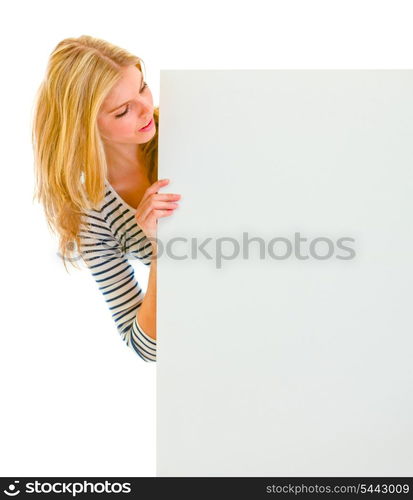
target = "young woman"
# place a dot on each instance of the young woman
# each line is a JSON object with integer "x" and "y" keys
{"x": 95, "y": 140}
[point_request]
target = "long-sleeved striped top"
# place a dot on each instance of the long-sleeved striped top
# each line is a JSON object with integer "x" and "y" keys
{"x": 109, "y": 237}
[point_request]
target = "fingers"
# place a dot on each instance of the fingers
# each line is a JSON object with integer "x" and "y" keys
{"x": 153, "y": 189}
{"x": 162, "y": 213}
{"x": 166, "y": 196}
{"x": 155, "y": 205}
{"x": 156, "y": 214}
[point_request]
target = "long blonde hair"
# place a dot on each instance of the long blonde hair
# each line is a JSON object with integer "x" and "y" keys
{"x": 69, "y": 157}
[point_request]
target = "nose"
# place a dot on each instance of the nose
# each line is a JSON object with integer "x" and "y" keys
{"x": 146, "y": 110}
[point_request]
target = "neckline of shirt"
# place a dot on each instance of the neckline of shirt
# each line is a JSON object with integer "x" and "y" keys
{"x": 117, "y": 195}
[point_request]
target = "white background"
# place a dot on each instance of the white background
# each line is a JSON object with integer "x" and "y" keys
{"x": 75, "y": 400}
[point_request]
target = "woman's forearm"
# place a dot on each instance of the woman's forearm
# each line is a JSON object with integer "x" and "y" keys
{"x": 146, "y": 314}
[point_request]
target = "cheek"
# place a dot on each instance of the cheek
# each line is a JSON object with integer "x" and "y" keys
{"x": 127, "y": 124}
{"x": 120, "y": 127}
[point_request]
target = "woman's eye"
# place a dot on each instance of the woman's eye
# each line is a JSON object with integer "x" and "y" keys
{"x": 127, "y": 109}
{"x": 122, "y": 114}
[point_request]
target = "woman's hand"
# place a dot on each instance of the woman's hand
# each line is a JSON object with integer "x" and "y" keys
{"x": 154, "y": 206}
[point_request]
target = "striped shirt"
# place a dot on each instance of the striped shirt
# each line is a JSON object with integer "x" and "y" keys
{"x": 109, "y": 237}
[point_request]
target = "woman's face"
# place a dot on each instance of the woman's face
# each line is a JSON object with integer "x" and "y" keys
{"x": 127, "y": 108}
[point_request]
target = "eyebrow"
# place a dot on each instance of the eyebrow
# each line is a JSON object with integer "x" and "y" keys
{"x": 120, "y": 105}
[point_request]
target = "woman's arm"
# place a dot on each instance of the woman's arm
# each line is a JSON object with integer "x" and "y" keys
{"x": 146, "y": 314}
{"x": 153, "y": 206}
{"x": 104, "y": 256}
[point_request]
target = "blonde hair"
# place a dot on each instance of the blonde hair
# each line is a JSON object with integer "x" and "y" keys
{"x": 69, "y": 157}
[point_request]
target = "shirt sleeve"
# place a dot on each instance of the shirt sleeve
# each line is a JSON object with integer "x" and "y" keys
{"x": 115, "y": 277}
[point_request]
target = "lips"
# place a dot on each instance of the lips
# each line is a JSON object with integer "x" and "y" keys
{"x": 146, "y": 124}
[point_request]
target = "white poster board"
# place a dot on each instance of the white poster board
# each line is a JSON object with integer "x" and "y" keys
{"x": 286, "y": 365}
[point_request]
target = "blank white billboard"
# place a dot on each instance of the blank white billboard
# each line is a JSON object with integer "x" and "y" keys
{"x": 290, "y": 355}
